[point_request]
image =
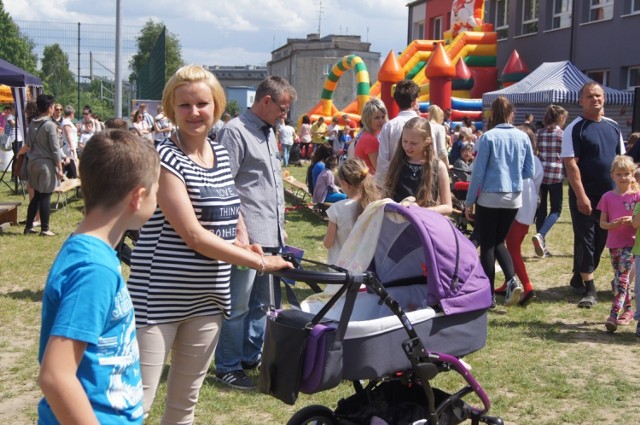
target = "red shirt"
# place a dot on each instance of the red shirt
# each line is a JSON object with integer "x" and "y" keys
{"x": 367, "y": 144}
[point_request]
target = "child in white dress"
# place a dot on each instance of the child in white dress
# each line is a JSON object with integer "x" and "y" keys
{"x": 358, "y": 184}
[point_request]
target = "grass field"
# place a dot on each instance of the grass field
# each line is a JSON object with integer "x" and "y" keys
{"x": 550, "y": 363}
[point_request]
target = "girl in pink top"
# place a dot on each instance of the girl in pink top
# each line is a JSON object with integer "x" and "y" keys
{"x": 616, "y": 210}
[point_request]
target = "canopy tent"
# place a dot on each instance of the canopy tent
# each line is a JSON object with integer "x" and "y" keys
{"x": 554, "y": 82}
{"x": 560, "y": 83}
{"x": 18, "y": 79}
{"x": 13, "y": 76}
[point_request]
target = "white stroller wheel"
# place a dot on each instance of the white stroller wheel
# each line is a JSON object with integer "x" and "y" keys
{"x": 314, "y": 415}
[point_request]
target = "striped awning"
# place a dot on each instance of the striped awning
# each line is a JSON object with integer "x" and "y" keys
{"x": 554, "y": 82}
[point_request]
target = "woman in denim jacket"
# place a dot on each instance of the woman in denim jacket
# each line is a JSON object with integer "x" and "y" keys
{"x": 504, "y": 160}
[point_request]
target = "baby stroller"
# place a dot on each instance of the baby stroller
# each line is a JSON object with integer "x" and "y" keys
{"x": 295, "y": 155}
{"x": 459, "y": 191}
{"x": 424, "y": 306}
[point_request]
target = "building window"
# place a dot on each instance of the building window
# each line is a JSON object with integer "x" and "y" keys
{"x": 634, "y": 77}
{"x": 529, "y": 16}
{"x": 502, "y": 18}
{"x": 600, "y": 76}
{"x": 326, "y": 69}
{"x": 561, "y": 17}
{"x": 437, "y": 28}
{"x": 600, "y": 10}
{"x": 631, "y": 6}
{"x": 418, "y": 30}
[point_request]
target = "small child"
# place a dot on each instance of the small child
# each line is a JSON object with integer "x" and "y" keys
{"x": 85, "y": 136}
{"x": 616, "y": 209}
{"x": 360, "y": 189}
{"x": 636, "y": 253}
{"x": 461, "y": 171}
{"x": 89, "y": 360}
{"x": 464, "y": 137}
{"x": 520, "y": 226}
{"x": 325, "y": 188}
{"x": 415, "y": 170}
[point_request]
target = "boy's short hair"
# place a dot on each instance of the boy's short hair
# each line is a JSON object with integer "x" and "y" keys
{"x": 405, "y": 93}
{"x": 116, "y": 123}
{"x": 113, "y": 163}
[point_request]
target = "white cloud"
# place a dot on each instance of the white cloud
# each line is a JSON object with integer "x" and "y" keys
{"x": 235, "y": 32}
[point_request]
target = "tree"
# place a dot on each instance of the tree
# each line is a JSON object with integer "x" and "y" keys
{"x": 15, "y": 48}
{"x": 58, "y": 78}
{"x": 233, "y": 108}
{"x": 146, "y": 40}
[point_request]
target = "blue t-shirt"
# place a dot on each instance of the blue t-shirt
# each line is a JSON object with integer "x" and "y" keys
{"x": 86, "y": 299}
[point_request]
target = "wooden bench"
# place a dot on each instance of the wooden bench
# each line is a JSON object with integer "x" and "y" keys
{"x": 298, "y": 189}
{"x": 300, "y": 192}
{"x": 9, "y": 212}
{"x": 63, "y": 190}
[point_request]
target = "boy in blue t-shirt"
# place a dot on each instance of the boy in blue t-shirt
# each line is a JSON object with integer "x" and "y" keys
{"x": 89, "y": 360}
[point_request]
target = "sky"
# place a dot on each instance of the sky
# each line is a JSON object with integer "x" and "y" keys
{"x": 236, "y": 32}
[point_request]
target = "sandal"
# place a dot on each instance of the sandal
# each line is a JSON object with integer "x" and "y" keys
{"x": 588, "y": 301}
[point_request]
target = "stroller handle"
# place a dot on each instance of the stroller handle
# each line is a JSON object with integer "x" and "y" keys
{"x": 298, "y": 274}
{"x": 312, "y": 276}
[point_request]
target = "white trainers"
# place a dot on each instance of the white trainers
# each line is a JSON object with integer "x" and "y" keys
{"x": 514, "y": 290}
{"x": 538, "y": 244}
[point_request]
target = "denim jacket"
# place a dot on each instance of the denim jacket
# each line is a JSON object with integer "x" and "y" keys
{"x": 504, "y": 160}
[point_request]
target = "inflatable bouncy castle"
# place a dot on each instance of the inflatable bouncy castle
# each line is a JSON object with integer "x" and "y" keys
{"x": 453, "y": 72}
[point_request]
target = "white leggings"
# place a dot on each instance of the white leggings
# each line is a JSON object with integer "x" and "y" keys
{"x": 192, "y": 343}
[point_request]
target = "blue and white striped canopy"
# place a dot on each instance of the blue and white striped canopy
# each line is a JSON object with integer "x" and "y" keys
{"x": 553, "y": 82}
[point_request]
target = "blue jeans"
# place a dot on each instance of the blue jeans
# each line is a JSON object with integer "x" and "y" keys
{"x": 285, "y": 154}
{"x": 242, "y": 334}
{"x": 545, "y": 222}
{"x": 335, "y": 197}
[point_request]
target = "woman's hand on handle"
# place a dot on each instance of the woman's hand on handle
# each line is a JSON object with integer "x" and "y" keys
{"x": 276, "y": 262}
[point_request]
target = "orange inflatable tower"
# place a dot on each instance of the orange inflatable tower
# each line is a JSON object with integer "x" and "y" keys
{"x": 440, "y": 71}
{"x": 390, "y": 73}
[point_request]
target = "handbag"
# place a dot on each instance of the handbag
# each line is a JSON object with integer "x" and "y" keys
{"x": 22, "y": 163}
{"x": 303, "y": 352}
{"x": 6, "y": 144}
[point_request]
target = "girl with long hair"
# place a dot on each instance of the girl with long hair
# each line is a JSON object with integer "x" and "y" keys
{"x": 415, "y": 170}
{"x": 504, "y": 160}
{"x": 357, "y": 183}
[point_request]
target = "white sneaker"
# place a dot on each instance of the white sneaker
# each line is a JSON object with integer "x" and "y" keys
{"x": 514, "y": 290}
{"x": 538, "y": 244}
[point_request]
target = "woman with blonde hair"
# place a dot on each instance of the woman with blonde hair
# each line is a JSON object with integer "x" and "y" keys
{"x": 181, "y": 265}
{"x": 374, "y": 115}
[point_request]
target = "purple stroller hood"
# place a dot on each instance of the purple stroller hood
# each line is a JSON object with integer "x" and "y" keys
{"x": 428, "y": 244}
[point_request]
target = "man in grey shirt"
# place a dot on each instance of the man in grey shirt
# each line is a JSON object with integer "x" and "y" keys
{"x": 255, "y": 166}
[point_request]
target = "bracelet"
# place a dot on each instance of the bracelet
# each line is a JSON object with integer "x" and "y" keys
{"x": 263, "y": 266}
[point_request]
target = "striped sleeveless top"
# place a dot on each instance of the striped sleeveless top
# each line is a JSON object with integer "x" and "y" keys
{"x": 169, "y": 281}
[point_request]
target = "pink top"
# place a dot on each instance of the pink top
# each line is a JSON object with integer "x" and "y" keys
{"x": 368, "y": 143}
{"x": 616, "y": 206}
{"x": 305, "y": 133}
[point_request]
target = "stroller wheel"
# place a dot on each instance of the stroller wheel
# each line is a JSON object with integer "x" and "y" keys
{"x": 313, "y": 415}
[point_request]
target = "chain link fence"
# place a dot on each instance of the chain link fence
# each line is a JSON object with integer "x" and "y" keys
{"x": 90, "y": 49}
